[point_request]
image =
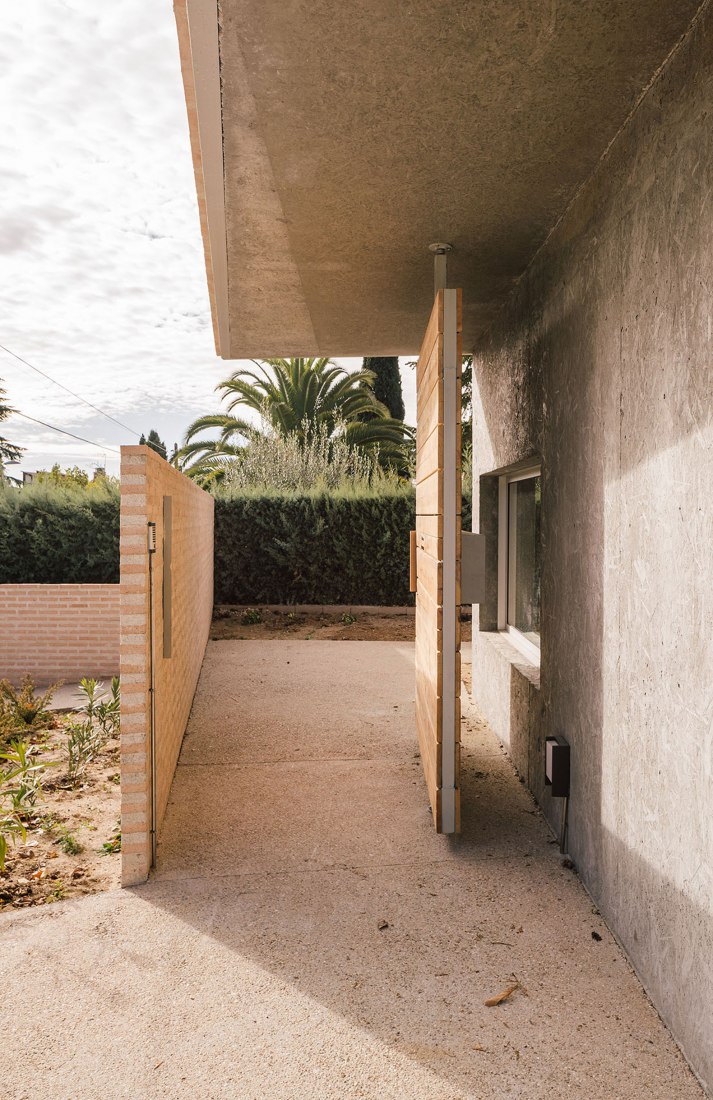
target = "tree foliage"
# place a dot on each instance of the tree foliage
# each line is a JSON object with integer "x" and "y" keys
{"x": 72, "y": 476}
{"x": 9, "y": 452}
{"x": 295, "y": 397}
{"x": 154, "y": 441}
{"x": 387, "y": 383}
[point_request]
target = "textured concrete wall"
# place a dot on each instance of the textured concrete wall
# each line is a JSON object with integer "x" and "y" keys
{"x": 59, "y": 631}
{"x": 602, "y": 365}
{"x": 150, "y": 596}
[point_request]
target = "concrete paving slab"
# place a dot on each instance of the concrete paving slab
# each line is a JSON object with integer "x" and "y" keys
{"x": 271, "y": 705}
{"x": 254, "y": 966}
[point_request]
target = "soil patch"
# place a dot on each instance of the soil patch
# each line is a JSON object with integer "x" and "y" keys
{"x": 231, "y": 622}
{"x": 73, "y": 840}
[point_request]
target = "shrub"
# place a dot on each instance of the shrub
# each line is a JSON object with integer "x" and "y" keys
{"x": 21, "y": 710}
{"x": 60, "y": 534}
{"x": 84, "y": 742}
{"x": 20, "y": 787}
{"x": 341, "y": 547}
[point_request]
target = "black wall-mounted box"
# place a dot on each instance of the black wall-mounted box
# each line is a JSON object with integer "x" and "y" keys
{"x": 557, "y": 766}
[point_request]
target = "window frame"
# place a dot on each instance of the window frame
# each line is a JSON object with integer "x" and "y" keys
{"x": 505, "y": 560}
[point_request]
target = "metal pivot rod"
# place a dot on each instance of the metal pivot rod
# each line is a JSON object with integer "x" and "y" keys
{"x": 440, "y": 252}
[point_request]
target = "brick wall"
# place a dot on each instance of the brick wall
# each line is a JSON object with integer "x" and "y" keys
{"x": 166, "y": 607}
{"x": 59, "y": 631}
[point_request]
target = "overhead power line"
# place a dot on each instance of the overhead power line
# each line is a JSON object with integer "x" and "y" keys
{"x": 67, "y": 390}
{"x": 99, "y": 446}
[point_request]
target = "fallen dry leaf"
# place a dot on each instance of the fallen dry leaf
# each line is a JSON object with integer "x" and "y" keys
{"x": 382, "y": 925}
{"x": 503, "y": 996}
{"x": 39, "y": 873}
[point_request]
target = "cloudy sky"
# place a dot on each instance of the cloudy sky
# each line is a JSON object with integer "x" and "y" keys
{"x": 102, "y": 284}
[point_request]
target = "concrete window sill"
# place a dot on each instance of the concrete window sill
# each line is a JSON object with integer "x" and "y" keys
{"x": 512, "y": 655}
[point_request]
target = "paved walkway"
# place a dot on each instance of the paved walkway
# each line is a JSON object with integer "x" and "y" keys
{"x": 307, "y": 935}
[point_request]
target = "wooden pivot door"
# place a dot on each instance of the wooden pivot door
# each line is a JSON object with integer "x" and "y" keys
{"x": 437, "y": 558}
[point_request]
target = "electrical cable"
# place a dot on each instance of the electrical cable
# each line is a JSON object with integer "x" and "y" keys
{"x": 67, "y": 390}
{"x": 92, "y": 443}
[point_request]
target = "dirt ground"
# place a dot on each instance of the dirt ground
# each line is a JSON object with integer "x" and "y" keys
{"x": 232, "y": 622}
{"x": 63, "y": 855}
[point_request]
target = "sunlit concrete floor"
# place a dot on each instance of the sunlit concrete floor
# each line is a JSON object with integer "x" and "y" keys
{"x": 307, "y": 935}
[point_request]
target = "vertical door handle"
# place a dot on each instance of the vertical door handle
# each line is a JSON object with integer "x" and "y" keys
{"x": 412, "y": 561}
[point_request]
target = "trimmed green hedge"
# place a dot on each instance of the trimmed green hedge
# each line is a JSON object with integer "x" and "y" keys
{"x": 314, "y": 548}
{"x": 55, "y": 535}
{"x": 269, "y": 548}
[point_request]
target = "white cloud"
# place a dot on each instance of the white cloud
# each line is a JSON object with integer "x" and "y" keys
{"x": 101, "y": 263}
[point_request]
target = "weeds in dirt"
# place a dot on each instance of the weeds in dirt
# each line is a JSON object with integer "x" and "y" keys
{"x": 348, "y": 619}
{"x": 21, "y": 709}
{"x": 56, "y": 894}
{"x": 75, "y": 806}
{"x": 69, "y": 843}
{"x": 251, "y": 616}
{"x": 113, "y": 844}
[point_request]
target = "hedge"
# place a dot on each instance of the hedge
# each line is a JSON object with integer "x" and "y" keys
{"x": 269, "y": 548}
{"x": 55, "y": 535}
{"x": 314, "y": 548}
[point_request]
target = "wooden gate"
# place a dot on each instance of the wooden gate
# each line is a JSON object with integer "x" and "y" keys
{"x": 436, "y": 551}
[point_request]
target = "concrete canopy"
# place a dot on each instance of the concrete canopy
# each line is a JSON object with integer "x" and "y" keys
{"x": 333, "y": 142}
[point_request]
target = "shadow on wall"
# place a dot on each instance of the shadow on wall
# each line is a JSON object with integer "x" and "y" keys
{"x": 627, "y": 620}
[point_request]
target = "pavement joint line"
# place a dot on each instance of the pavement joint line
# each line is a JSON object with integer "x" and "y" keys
{"x": 157, "y": 879}
{"x": 315, "y": 760}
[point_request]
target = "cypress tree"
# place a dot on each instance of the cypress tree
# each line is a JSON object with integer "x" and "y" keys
{"x": 155, "y": 442}
{"x": 387, "y": 384}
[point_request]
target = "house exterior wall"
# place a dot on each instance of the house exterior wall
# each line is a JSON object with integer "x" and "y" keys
{"x": 59, "y": 631}
{"x": 602, "y": 366}
{"x": 151, "y": 597}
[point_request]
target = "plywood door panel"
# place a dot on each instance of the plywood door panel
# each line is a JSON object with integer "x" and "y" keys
{"x": 438, "y": 545}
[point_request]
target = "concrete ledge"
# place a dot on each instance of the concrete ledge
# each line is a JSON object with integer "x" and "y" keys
{"x": 512, "y": 655}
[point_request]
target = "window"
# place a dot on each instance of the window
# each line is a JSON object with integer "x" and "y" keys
{"x": 520, "y": 559}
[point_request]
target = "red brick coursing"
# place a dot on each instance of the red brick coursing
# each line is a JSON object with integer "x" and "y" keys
{"x": 59, "y": 631}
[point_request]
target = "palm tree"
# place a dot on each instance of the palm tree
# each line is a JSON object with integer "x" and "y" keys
{"x": 299, "y": 396}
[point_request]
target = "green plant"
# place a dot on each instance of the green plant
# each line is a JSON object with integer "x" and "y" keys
{"x": 108, "y": 711}
{"x": 251, "y": 616}
{"x": 89, "y": 689}
{"x": 20, "y": 787}
{"x": 84, "y": 742}
{"x": 57, "y": 893}
{"x": 348, "y": 619}
{"x": 113, "y": 844}
{"x": 97, "y": 706}
{"x": 23, "y": 710}
{"x": 22, "y": 777}
{"x": 69, "y": 843}
{"x": 294, "y": 462}
{"x": 294, "y": 397}
{"x": 387, "y": 383}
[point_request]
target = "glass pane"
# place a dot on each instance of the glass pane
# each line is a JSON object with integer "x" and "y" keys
{"x": 525, "y": 556}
